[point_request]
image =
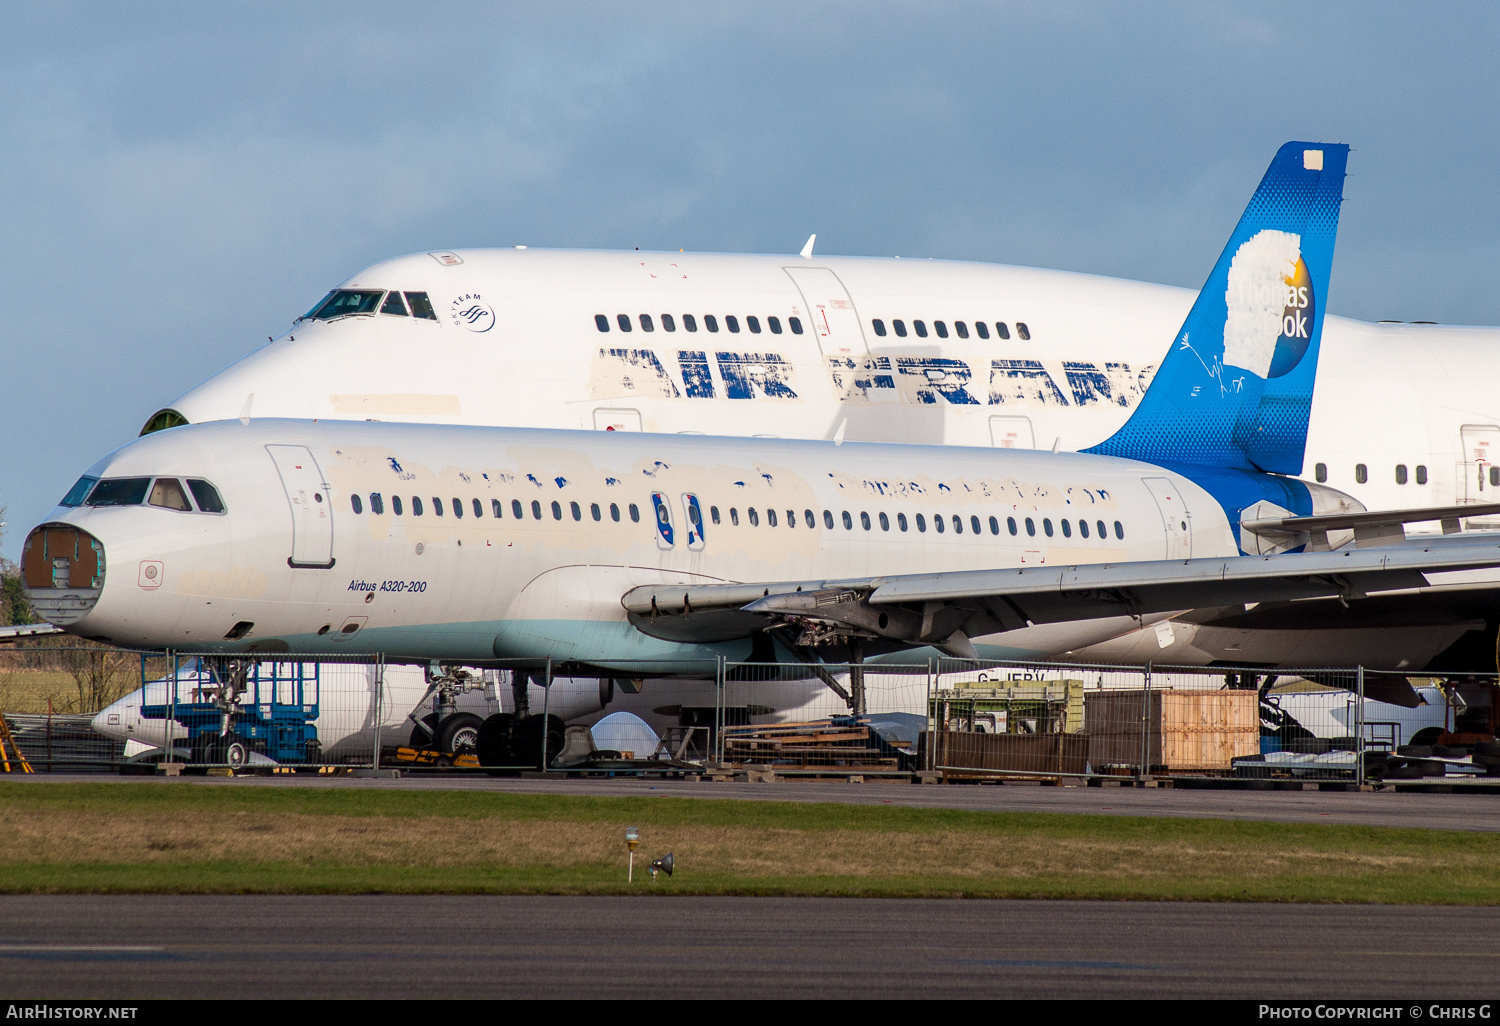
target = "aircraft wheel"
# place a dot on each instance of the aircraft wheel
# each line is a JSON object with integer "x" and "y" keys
{"x": 235, "y": 751}
{"x": 422, "y": 736}
{"x": 459, "y": 733}
{"x": 494, "y": 743}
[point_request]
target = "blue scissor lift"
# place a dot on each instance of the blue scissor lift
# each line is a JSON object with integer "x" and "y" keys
{"x": 274, "y": 713}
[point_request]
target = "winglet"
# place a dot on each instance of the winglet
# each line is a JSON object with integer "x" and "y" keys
{"x": 807, "y": 249}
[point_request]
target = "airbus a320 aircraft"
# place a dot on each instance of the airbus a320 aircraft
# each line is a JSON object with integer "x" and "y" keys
{"x": 912, "y": 351}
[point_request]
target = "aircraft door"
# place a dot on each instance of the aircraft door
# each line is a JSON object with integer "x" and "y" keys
{"x": 617, "y": 419}
{"x": 694, "y": 514}
{"x": 830, "y": 311}
{"x": 1011, "y": 433}
{"x": 665, "y": 535}
{"x": 311, "y": 504}
{"x": 1175, "y": 517}
{"x": 1479, "y": 473}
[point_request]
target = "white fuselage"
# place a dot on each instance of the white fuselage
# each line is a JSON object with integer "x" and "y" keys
{"x": 541, "y": 533}
{"x": 1389, "y": 397}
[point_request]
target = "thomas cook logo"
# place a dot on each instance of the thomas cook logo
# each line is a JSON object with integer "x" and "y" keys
{"x": 471, "y": 312}
{"x": 1270, "y": 305}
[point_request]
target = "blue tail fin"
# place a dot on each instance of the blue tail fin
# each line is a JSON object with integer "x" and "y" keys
{"x": 1236, "y": 388}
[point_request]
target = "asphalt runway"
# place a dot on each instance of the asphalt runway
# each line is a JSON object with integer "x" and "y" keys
{"x": 1388, "y": 808}
{"x": 374, "y": 946}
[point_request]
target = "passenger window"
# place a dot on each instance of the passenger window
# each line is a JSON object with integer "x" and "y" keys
{"x": 732, "y": 323}
{"x": 437, "y": 506}
{"x": 690, "y": 322}
{"x": 940, "y": 328}
{"x": 377, "y": 503}
{"x": 623, "y": 320}
{"x": 556, "y": 510}
{"x": 753, "y": 323}
{"x": 1119, "y": 531}
{"x": 879, "y": 327}
{"x": 416, "y": 505}
{"x": 516, "y": 510}
{"x": 774, "y": 323}
{"x": 1495, "y": 476}
{"x": 206, "y": 494}
{"x": 960, "y": 329}
{"x": 601, "y": 322}
{"x": 458, "y": 509}
{"x": 901, "y": 521}
{"x": 795, "y": 324}
{"x": 848, "y": 521}
{"x": 900, "y": 327}
{"x": 1030, "y": 528}
{"x": 497, "y": 510}
{"x": 635, "y": 514}
{"x": 920, "y": 327}
{"x": 667, "y": 323}
{"x": 1022, "y": 332}
{"x": 1010, "y": 523}
{"x": 734, "y": 516}
{"x": 614, "y": 512}
{"x": 393, "y": 305}
{"x": 646, "y": 324}
{"x": 575, "y": 510}
{"x": 1047, "y": 526}
{"x": 168, "y": 494}
{"x": 770, "y": 518}
{"x": 1067, "y": 529}
{"x": 421, "y": 306}
{"x": 713, "y": 514}
{"x": 994, "y": 526}
{"x": 1320, "y": 472}
{"x": 396, "y": 505}
{"x": 974, "y": 524}
{"x": 982, "y": 329}
{"x": 1083, "y": 528}
{"x": 356, "y": 504}
{"x": 536, "y": 510}
{"x": 885, "y": 522}
{"x": 597, "y": 513}
{"x": 808, "y": 519}
{"x": 1361, "y": 473}
{"x": 1401, "y": 473}
{"x": 478, "y": 508}
{"x": 710, "y": 322}
{"x": 1421, "y": 474}
{"x": 1102, "y": 532}
{"x": 958, "y": 524}
{"x": 938, "y": 525}
{"x": 921, "y": 524}
{"x": 1001, "y": 331}
{"x": 791, "y": 518}
{"x": 864, "y": 520}
{"x": 828, "y": 519}
{"x": 754, "y": 517}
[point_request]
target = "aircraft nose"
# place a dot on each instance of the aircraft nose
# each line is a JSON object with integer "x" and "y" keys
{"x": 62, "y": 572}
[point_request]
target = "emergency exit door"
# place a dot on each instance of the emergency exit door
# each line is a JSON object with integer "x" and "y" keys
{"x": 311, "y": 505}
{"x": 830, "y": 312}
{"x": 1175, "y": 517}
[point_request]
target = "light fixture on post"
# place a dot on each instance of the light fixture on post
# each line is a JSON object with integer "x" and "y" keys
{"x": 663, "y": 864}
{"x": 632, "y": 838}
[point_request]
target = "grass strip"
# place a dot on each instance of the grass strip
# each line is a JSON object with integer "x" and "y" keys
{"x": 180, "y": 838}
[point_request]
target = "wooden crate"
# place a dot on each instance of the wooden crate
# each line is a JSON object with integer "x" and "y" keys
{"x": 1187, "y": 729}
{"x": 1035, "y": 754}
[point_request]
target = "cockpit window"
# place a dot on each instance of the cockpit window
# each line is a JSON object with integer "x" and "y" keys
{"x": 168, "y": 494}
{"x": 393, "y": 305}
{"x": 121, "y": 491}
{"x": 421, "y": 306}
{"x": 207, "y": 495}
{"x": 343, "y": 302}
{"x": 79, "y": 491}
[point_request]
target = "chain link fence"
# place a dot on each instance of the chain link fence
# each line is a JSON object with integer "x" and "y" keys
{"x": 79, "y": 708}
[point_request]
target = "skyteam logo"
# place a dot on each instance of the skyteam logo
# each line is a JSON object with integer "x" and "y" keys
{"x": 1270, "y": 305}
{"x": 471, "y": 312}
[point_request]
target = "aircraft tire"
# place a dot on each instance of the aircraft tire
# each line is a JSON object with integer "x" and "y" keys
{"x": 458, "y": 733}
{"x": 423, "y": 736}
{"x": 495, "y": 743}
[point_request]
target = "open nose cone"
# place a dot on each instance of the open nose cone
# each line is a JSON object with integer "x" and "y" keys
{"x": 62, "y": 572}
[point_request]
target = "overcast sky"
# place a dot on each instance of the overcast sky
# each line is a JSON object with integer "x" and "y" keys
{"x": 177, "y": 182}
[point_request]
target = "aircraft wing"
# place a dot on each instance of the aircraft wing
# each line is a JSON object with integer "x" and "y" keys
{"x": 947, "y": 609}
{"x": 27, "y": 630}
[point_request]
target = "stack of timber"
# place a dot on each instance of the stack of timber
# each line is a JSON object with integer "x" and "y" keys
{"x": 817, "y": 745}
{"x": 1185, "y": 730}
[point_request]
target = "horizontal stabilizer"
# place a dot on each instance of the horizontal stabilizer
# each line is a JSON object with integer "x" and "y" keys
{"x": 27, "y": 630}
{"x": 1380, "y": 527}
